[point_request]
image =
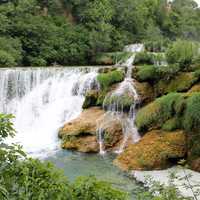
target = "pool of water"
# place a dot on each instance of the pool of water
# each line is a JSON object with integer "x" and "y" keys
{"x": 78, "y": 164}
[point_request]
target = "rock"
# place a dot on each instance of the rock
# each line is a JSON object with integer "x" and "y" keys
{"x": 195, "y": 88}
{"x": 90, "y": 99}
{"x": 85, "y": 124}
{"x": 81, "y": 134}
{"x": 180, "y": 83}
{"x": 87, "y": 144}
{"x": 156, "y": 150}
{"x": 195, "y": 165}
{"x": 145, "y": 92}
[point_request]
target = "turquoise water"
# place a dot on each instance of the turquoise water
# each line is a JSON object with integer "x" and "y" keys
{"x": 78, "y": 164}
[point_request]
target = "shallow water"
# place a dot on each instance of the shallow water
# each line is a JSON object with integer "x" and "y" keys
{"x": 79, "y": 164}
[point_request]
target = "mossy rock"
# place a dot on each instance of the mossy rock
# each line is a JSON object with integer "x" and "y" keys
{"x": 171, "y": 124}
{"x": 90, "y": 99}
{"x": 122, "y": 102}
{"x": 155, "y": 114}
{"x": 156, "y": 150}
{"x": 145, "y": 92}
{"x": 110, "y": 78}
{"x": 180, "y": 83}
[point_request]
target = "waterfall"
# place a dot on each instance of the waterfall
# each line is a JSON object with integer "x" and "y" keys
{"x": 116, "y": 111}
{"x": 42, "y": 100}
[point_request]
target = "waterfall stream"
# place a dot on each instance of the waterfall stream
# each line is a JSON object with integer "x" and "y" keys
{"x": 116, "y": 111}
{"x": 42, "y": 100}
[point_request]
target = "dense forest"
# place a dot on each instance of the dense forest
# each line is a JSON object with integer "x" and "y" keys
{"x": 74, "y": 32}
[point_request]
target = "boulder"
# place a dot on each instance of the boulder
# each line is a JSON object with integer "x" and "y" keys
{"x": 85, "y": 124}
{"x": 145, "y": 92}
{"x": 180, "y": 83}
{"x": 90, "y": 99}
{"x": 195, "y": 165}
{"x": 156, "y": 150}
{"x": 81, "y": 134}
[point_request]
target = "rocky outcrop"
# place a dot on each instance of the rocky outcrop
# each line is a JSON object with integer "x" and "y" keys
{"x": 195, "y": 165}
{"x": 81, "y": 133}
{"x": 85, "y": 124}
{"x": 145, "y": 92}
{"x": 156, "y": 150}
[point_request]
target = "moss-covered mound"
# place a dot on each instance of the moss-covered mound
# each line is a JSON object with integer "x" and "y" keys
{"x": 90, "y": 99}
{"x": 121, "y": 102}
{"x": 107, "y": 79}
{"x": 180, "y": 83}
{"x": 156, "y": 150}
{"x": 155, "y": 114}
{"x": 171, "y": 112}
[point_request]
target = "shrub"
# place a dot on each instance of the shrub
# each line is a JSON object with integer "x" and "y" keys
{"x": 182, "y": 52}
{"x": 144, "y": 58}
{"x": 90, "y": 188}
{"x": 6, "y": 60}
{"x": 146, "y": 73}
{"x": 107, "y": 79}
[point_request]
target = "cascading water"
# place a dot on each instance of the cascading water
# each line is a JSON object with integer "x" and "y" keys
{"x": 115, "y": 110}
{"x": 42, "y": 100}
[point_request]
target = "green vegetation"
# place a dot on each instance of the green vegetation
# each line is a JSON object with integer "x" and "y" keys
{"x": 182, "y": 52}
{"x": 67, "y": 32}
{"x": 26, "y": 178}
{"x": 107, "y": 79}
{"x": 158, "y": 112}
{"x": 123, "y": 101}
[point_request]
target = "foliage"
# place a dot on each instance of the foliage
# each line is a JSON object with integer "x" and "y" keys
{"x": 86, "y": 188}
{"x": 182, "y": 52}
{"x": 147, "y": 73}
{"x": 74, "y": 32}
{"x": 158, "y": 112}
{"x": 144, "y": 58}
{"x": 26, "y": 178}
{"x": 107, "y": 79}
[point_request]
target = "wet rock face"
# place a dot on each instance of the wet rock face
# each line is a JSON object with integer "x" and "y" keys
{"x": 156, "y": 150}
{"x": 81, "y": 133}
{"x": 195, "y": 165}
{"x": 90, "y": 99}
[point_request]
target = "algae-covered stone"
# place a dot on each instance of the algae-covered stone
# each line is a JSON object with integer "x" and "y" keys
{"x": 180, "y": 83}
{"x": 156, "y": 150}
{"x": 122, "y": 102}
{"x": 90, "y": 99}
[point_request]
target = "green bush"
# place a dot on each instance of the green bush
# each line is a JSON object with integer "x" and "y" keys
{"x": 144, "y": 58}
{"x": 146, "y": 73}
{"x": 182, "y": 52}
{"x": 26, "y": 178}
{"x": 6, "y": 60}
{"x": 89, "y": 188}
{"x": 107, "y": 79}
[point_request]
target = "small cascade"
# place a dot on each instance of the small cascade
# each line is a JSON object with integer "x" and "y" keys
{"x": 116, "y": 110}
{"x": 42, "y": 100}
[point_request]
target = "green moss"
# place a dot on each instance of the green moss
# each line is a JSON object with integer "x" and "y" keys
{"x": 157, "y": 112}
{"x": 146, "y": 73}
{"x": 171, "y": 124}
{"x": 123, "y": 102}
{"x": 107, "y": 79}
{"x": 101, "y": 97}
{"x": 90, "y": 99}
{"x": 179, "y": 83}
{"x": 192, "y": 113}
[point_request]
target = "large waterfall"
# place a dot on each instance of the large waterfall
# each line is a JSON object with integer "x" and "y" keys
{"x": 42, "y": 100}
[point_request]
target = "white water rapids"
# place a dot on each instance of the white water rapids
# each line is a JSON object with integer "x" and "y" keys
{"x": 42, "y": 100}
